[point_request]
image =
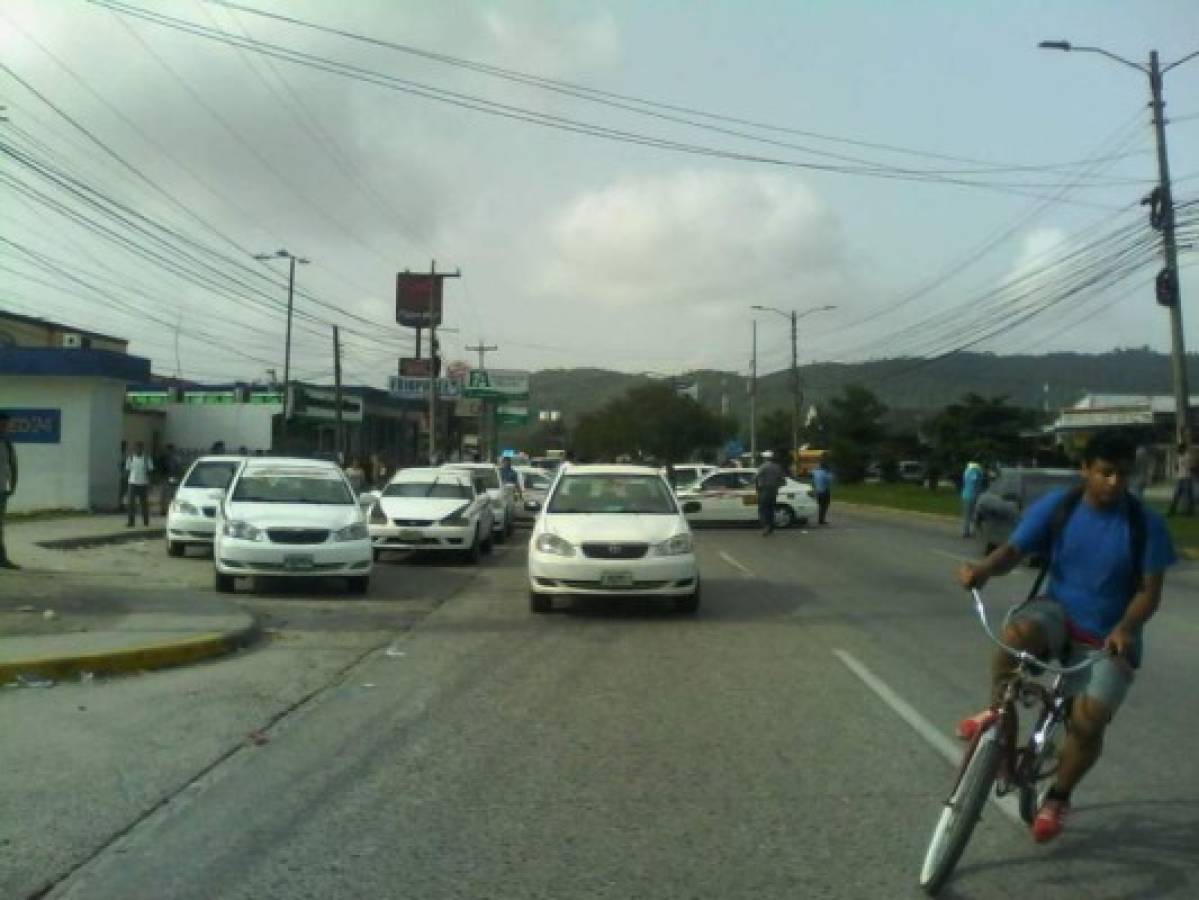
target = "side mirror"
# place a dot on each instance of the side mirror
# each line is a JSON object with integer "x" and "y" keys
{"x": 692, "y": 506}
{"x": 532, "y": 505}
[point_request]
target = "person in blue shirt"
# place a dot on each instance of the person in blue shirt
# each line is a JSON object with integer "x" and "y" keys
{"x": 822, "y": 487}
{"x": 1100, "y": 597}
{"x": 973, "y": 479}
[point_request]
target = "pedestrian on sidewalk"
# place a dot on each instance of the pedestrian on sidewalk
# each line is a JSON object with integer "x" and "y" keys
{"x": 138, "y": 469}
{"x": 822, "y": 487}
{"x": 769, "y": 481}
{"x": 8, "y": 484}
{"x": 973, "y": 480}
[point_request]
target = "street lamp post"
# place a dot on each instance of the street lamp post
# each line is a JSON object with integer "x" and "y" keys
{"x": 1171, "y": 295}
{"x": 291, "y": 287}
{"x": 796, "y": 394}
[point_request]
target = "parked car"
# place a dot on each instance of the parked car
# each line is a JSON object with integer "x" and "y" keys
{"x": 432, "y": 509}
{"x": 503, "y": 496}
{"x": 1001, "y": 505}
{"x": 729, "y": 496}
{"x": 191, "y": 517}
{"x": 294, "y": 518}
{"x": 534, "y": 487}
{"x": 614, "y": 531}
{"x": 688, "y": 475}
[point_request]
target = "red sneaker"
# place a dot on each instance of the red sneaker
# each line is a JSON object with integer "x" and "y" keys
{"x": 972, "y": 725}
{"x": 1050, "y": 820}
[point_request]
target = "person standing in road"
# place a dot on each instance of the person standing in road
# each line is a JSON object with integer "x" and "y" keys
{"x": 138, "y": 469}
{"x": 8, "y": 484}
{"x": 1142, "y": 472}
{"x": 1184, "y": 489}
{"x": 769, "y": 480}
{"x": 972, "y": 486}
{"x": 508, "y": 475}
{"x": 822, "y": 487}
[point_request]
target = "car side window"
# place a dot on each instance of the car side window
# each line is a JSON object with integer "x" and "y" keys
{"x": 723, "y": 481}
{"x": 744, "y": 479}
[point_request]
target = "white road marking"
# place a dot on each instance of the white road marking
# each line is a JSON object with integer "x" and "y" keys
{"x": 947, "y": 747}
{"x": 955, "y": 556}
{"x": 736, "y": 565}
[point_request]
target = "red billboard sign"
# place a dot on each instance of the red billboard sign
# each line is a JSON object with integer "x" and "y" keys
{"x": 416, "y": 294}
{"x": 414, "y": 368}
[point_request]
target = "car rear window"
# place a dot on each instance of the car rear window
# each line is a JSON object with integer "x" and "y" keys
{"x": 211, "y": 475}
{"x": 444, "y": 490}
{"x": 612, "y": 494}
{"x": 291, "y": 486}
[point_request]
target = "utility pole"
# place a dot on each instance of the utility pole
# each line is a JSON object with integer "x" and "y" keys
{"x": 340, "y": 437}
{"x": 753, "y": 397}
{"x": 482, "y": 349}
{"x": 1178, "y": 355}
{"x": 291, "y": 288}
{"x": 794, "y": 382}
{"x": 434, "y": 374}
{"x": 487, "y": 410}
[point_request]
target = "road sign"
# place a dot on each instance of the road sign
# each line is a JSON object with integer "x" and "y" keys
{"x": 418, "y": 388}
{"x": 498, "y": 384}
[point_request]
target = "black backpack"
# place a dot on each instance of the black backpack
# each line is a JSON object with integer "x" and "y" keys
{"x": 1138, "y": 531}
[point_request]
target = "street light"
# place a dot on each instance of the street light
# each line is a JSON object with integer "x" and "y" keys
{"x": 291, "y": 285}
{"x": 1170, "y": 297}
{"x": 796, "y": 398}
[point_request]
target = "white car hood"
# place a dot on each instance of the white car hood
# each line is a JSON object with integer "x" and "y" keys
{"x": 612, "y": 527}
{"x": 294, "y": 515}
{"x": 421, "y": 507}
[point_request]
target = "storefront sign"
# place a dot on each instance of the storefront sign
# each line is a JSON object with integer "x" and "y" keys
{"x": 34, "y": 426}
{"x": 418, "y": 388}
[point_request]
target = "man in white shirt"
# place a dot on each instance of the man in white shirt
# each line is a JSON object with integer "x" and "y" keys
{"x": 138, "y": 468}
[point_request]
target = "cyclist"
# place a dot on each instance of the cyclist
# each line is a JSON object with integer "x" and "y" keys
{"x": 1107, "y": 561}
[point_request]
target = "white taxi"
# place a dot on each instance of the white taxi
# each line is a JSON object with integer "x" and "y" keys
{"x": 191, "y": 517}
{"x": 295, "y": 518}
{"x": 438, "y": 509}
{"x": 614, "y": 531}
{"x": 728, "y": 495}
{"x": 503, "y": 495}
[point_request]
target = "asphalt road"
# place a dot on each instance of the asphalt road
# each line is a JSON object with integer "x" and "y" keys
{"x": 753, "y": 751}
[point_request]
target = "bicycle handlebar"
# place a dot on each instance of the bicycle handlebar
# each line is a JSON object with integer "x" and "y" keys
{"x": 1023, "y": 655}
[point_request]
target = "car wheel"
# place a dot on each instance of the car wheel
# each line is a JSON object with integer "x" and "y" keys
{"x": 223, "y": 583}
{"x": 539, "y": 603}
{"x": 690, "y": 603}
{"x": 359, "y": 584}
{"x": 499, "y": 536}
{"x": 175, "y": 548}
{"x": 489, "y": 542}
{"x": 472, "y": 553}
{"x": 784, "y": 516}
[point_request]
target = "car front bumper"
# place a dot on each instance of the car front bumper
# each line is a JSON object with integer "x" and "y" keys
{"x": 237, "y": 557}
{"x": 424, "y": 537}
{"x": 190, "y": 529}
{"x": 665, "y": 575}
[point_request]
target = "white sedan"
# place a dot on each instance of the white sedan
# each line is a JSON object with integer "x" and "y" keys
{"x": 291, "y": 518}
{"x": 503, "y": 496}
{"x": 432, "y": 509}
{"x": 729, "y": 495}
{"x": 191, "y": 518}
{"x": 614, "y": 531}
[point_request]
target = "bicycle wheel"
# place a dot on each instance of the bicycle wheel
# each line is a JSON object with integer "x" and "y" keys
{"x": 961, "y": 813}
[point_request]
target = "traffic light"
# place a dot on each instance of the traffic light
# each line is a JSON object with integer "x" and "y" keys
{"x": 1166, "y": 287}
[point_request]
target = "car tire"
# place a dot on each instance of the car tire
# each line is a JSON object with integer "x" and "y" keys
{"x": 689, "y": 605}
{"x": 359, "y": 585}
{"x": 784, "y": 516}
{"x": 474, "y": 552}
{"x": 175, "y": 548}
{"x": 489, "y": 542}
{"x": 539, "y": 603}
{"x": 223, "y": 583}
{"x": 499, "y": 536}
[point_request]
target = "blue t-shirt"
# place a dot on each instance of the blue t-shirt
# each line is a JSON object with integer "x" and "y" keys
{"x": 1091, "y": 572}
{"x": 822, "y": 480}
{"x": 972, "y": 482}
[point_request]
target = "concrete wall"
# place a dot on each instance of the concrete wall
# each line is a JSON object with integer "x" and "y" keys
{"x": 193, "y": 428}
{"x": 67, "y": 475}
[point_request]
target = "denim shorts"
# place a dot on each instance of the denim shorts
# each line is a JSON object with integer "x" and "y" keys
{"x": 1106, "y": 682}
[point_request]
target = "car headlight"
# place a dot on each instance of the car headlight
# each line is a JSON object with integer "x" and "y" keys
{"x": 243, "y": 531}
{"x": 551, "y": 543}
{"x": 356, "y": 532}
{"x": 678, "y": 545}
{"x": 186, "y": 509}
{"x": 378, "y": 517}
{"x": 456, "y": 519}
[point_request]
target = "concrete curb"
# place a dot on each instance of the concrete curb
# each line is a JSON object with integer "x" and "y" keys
{"x": 103, "y": 540}
{"x": 144, "y": 658}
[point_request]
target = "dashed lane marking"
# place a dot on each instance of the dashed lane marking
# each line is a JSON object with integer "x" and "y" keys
{"x": 736, "y": 565}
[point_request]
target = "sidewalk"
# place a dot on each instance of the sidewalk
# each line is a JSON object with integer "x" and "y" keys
{"x": 73, "y": 613}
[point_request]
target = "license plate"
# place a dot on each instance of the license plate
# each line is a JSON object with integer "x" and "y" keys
{"x": 410, "y": 535}
{"x": 616, "y": 579}
{"x": 296, "y": 561}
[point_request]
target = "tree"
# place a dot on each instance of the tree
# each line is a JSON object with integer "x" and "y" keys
{"x": 774, "y": 430}
{"x": 854, "y": 422}
{"x": 650, "y": 421}
{"x": 978, "y": 428}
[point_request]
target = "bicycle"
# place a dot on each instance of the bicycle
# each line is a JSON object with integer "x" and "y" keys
{"x": 992, "y": 757}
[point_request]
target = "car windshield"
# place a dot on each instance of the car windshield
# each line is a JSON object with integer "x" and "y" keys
{"x": 282, "y": 486}
{"x": 612, "y": 494}
{"x": 442, "y": 490}
{"x": 211, "y": 475}
{"x": 685, "y": 477}
{"x": 488, "y": 477}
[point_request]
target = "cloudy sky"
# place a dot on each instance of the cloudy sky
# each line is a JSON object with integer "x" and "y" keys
{"x": 617, "y": 182}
